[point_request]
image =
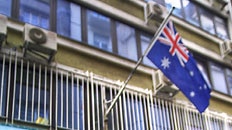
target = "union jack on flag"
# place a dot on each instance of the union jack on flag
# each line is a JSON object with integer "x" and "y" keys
{"x": 170, "y": 55}
{"x": 172, "y": 38}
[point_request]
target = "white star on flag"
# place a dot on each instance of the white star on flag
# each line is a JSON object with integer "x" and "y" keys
{"x": 170, "y": 55}
{"x": 200, "y": 88}
{"x": 191, "y": 73}
{"x": 165, "y": 63}
{"x": 192, "y": 94}
{"x": 205, "y": 86}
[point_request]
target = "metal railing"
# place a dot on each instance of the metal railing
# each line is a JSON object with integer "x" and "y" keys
{"x": 59, "y": 97}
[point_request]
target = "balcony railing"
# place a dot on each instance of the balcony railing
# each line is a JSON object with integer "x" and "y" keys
{"x": 59, "y": 97}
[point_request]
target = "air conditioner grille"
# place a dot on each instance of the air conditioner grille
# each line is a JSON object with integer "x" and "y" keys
{"x": 38, "y": 36}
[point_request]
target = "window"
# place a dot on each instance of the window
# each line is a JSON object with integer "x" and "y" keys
{"x": 126, "y": 41}
{"x": 191, "y": 14}
{"x": 99, "y": 31}
{"x": 207, "y": 21}
{"x": 199, "y": 16}
{"x": 145, "y": 42}
{"x": 218, "y": 78}
{"x": 203, "y": 70}
{"x": 177, "y": 5}
{"x": 221, "y": 28}
{"x": 32, "y": 95}
{"x": 69, "y": 19}
{"x": 5, "y": 7}
{"x": 161, "y": 2}
{"x": 36, "y": 12}
{"x": 229, "y": 80}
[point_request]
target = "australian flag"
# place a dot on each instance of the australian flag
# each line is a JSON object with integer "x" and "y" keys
{"x": 170, "y": 55}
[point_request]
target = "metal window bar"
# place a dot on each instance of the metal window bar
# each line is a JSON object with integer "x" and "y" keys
{"x": 170, "y": 108}
{"x": 128, "y": 109}
{"x": 14, "y": 87}
{"x": 167, "y": 115}
{"x": 146, "y": 105}
{"x": 51, "y": 90}
{"x": 3, "y": 87}
{"x": 97, "y": 118}
{"x": 117, "y": 109}
{"x": 152, "y": 115}
{"x": 20, "y": 89}
{"x": 112, "y": 111}
{"x": 121, "y": 112}
{"x": 144, "y": 112}
{"x": 8, "y": 86}
{"x": 72, "y": 102}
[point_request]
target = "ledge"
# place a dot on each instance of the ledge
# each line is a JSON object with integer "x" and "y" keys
{"x": 222, "y": 97}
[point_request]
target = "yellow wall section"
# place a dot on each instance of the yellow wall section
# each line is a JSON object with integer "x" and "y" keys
{"x": 198, "y": 39}
{"x": 101, "y": 67}
{"x": 14, "y": 39}
{"x": 215, "y": 104}
{"x": 220, "y": 106}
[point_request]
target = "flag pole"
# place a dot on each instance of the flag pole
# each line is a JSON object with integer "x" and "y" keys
{"x": 158, "y": 32}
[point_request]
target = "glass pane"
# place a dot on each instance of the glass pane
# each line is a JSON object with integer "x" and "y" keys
{"x": 99, "y": 31}
{"x": 69, "y": 19}
{"x": 203, "y": 71}
{"x": 126, "y": 41}
{"x": 35, "y": 12}
{"x": 229, "y": 80}
{"x": 177, "y": 5}
{"x": 218, "y": 78}
{"x": 5, "y": 7}
{"x": 145, "y": 41}
{"x": 191, "y": 12}
{"x": 221, "y": 28}
{"x": 207, "y": 21}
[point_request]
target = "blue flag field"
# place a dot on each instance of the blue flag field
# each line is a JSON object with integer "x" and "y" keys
{"x": 175, "y": 61}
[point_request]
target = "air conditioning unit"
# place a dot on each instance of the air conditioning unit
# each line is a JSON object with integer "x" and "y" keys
{"x": 40, "y": 42}
{"x": 163, "y": 86}
{"x": 3, "y": 28}
{"x": 226, "y": 48}
{"x": 155, "y": 11}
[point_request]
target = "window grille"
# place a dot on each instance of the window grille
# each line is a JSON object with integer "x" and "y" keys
{"x": 78, "y": 102}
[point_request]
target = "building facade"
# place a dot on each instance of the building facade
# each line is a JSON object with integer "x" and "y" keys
{"x": 62, "y": 62}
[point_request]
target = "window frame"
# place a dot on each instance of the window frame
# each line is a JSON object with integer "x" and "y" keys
{"x": 211, "y": 64}
{"x": 199, "y": 7}
{"x": 49, "y": 15}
